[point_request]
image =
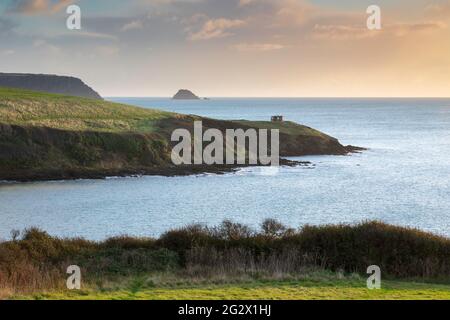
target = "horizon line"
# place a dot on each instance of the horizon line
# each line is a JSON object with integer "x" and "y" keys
{"x": 279, "y": 97}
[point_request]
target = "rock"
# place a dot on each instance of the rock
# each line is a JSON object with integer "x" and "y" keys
{"x": 48, "y": 83}
{"x": 184, "y": 94}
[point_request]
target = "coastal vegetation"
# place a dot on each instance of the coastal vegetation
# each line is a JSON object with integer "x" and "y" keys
{"x": 310, "y": 286}
{"x": 48, "y": 136}
{"x": 223, "y": 261}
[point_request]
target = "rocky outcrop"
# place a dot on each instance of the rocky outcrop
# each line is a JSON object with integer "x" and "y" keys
{"x": 48, "y": 83}
{"x": 184, "y": 94}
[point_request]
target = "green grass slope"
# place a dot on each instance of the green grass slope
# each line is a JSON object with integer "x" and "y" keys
{"x": 316, "y": 286}
{"x": 51, "y": 136}
{"x": 22, "y": 107}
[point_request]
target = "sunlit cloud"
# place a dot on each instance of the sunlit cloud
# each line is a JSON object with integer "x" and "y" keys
{"x": 92, "y": 35}
{"x": 133, "y": 25}
{"x": 216, "y": 28}
{"x": 258, "y": 47}
{"x": 342, "y": 32}
{"x": 313, "y": 48}
{"x": 355, "y": 32}
{"x": 32, "y": 7}
{"x": 404, "y": 29}
{"x": 441, "y": 9}
{"x": 107, "y": 50}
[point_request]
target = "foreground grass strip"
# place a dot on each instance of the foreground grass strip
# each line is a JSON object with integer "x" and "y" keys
{"x": 265, "y": 291}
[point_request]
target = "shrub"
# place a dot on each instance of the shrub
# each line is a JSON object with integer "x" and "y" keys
{"x": 273, "y": 229}
{"x": 400, "y": 252}
{"x": 38, "y": 260}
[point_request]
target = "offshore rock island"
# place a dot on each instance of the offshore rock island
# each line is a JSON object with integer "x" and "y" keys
{"x": 184, "y": 94}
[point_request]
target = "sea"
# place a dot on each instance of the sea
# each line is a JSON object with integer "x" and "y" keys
{"x": 403, "y": 178}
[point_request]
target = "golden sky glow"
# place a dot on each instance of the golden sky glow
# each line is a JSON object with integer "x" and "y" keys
{"x": 255, "y": 48}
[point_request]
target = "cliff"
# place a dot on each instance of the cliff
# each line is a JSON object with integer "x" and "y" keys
{"x": 48, "y": 83}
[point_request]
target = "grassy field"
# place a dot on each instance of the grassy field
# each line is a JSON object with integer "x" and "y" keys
{"x": 311, "y": 288}
{"x": 286, "y": 127}
{"x": 22, "y": 107}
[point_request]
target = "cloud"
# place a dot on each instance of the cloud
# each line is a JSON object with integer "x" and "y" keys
{"x": 295, "y": 12}
{"x": 46, "y": 46}
{"x": 32, "y": 7}
{"x": 258, "y": 47}
{"x": 92, "y": 35}
{"x": 281, "y": 12}
{"x": 243, "y": 3}
{"x": 216, "y": 28}
{"x": 6, "y": 26}
{"x": 107, "y": 50}
{"x": 352, "y": 32}
{"x": 342, "y": 32}
{"x": 439, "y": 9}
{"x": 403, "y": 29}
{"x": 133, "y": 25}
{"x": 295, "y": 19}
{"x": 8, "y": 52}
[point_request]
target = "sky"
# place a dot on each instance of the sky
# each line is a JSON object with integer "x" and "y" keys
{"x": 234, "y": 48}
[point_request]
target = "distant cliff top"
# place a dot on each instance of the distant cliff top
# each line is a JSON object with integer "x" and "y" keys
{"x": 184, "y": 94}
{"x": 48, "y": 83}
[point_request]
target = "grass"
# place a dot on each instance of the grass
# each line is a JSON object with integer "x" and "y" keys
{"x": 286, "y": 127}
{"x": 232, "y": 261}
{"x": 313, "y": 287}
{"x": 50, "y": 136}
{"x": 23, "y": 107}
